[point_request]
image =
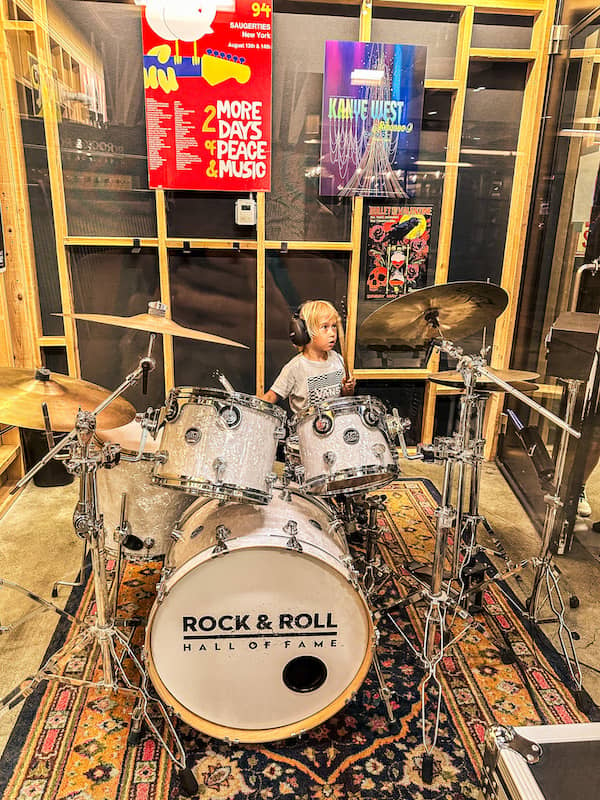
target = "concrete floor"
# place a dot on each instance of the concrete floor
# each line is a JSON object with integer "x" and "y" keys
{"x": 38, "y": 546}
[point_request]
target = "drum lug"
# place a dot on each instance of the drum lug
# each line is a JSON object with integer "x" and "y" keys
{"x": 329, "y": 458}
{"x": 379, "y": 450}
{"x": 299, "y": 473}
{"x": 161, "y": 591}
{"x": 223, "y": 533}
{"x": 279, "y": 433}
{"x": 219, "y": 466}
{"x": 270, "y": 479}
{"x": 353, "y": 574}
{"x": 161, "y": 456}
{"x": 291, "y": 528}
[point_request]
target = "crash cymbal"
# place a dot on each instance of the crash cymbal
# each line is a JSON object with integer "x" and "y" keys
{"x": 518, "y": 379}
{"x": 459, "y": 309}
{"x": 154, "y": 321}
{"x": 22, "y": 392}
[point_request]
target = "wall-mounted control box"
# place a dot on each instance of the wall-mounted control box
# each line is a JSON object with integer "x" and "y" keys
{"x": 245, "y": 211}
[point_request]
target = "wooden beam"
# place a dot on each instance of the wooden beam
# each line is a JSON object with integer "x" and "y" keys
{"x": 165, "y": 286}
{"x": 261, "y": 267}
{"x": 497, "y": 54}
{"x": 50, "y": 104}
{"x": 461, "y": 71}
{"x": 21, "y": 315}
{"x": 518, "y": 218}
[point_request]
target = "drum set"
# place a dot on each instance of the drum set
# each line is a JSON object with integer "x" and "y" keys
{"x": 263, "y": 624}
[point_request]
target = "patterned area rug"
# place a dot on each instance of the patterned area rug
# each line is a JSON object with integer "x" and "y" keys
{"x": 71, "y": 743}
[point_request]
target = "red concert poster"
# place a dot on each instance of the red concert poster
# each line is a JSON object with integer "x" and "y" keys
{"x": 207, "y": 80}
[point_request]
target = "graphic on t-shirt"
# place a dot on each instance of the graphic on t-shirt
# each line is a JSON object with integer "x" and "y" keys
{"x": 323, "y": 387}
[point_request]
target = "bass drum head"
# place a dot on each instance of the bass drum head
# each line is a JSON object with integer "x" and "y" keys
{"x": 258, "y": 644}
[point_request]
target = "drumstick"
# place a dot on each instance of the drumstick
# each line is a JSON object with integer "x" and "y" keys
{"x": 342, "y": 340}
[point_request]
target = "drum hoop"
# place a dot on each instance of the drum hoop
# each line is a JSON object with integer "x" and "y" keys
{"x": 198, "y": 395}
{"x": 312, "y": 551}
{"x": 191, "y": 510}
{"x": 353, "y": 472}
{"x": 220, "y": 491}
{"x": 337, "y": 404}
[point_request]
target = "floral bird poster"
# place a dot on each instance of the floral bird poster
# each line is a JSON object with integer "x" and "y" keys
{"x": 397, "y": 250}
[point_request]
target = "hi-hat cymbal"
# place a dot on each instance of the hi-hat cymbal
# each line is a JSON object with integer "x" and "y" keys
{"x": 155, "y": 321}
{"x": 22, "y": 392}
{"x": 457, "y": 309}
{"x": 518, "y": 379}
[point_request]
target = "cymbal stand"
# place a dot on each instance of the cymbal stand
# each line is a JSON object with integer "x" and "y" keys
{"x": 545, "y": 576}
{"x": 84, "y": 459}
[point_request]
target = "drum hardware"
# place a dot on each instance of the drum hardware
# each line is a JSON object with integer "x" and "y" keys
{"x": 84, "y": 459}
{"x": 219, "y": 466}
{"x": 291, "y": 529}
{"x": 45, "y": 605}
{"x": 223, "y": 381}
{"x": 222, "y": 533}
{"x": 414, "y": 320}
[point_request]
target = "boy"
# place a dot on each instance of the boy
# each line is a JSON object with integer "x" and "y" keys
{"x": 317, "y": 372}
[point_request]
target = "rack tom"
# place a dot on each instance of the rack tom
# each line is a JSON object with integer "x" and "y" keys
{"x": 345, "y": 446}
{"x": 219, "y": 444}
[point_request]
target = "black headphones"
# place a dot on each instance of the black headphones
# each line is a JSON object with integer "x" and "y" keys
{"x": 299, "y": 334}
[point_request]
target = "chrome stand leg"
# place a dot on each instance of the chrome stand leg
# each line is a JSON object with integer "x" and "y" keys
{"x": 80, "y": 574}
{"x": 45, "y": 605}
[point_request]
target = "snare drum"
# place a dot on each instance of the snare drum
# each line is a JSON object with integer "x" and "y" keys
{"x": 219, "y": 444}
{"x": 151, "y": 512}
{"x": 260, "y": 630}
{"x": 345, "y": 446}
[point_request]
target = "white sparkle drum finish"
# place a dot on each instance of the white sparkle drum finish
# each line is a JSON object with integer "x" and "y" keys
{"x": 345, "y": 446}
{"x": 219, "y": 444}
{"x": 260, "y": 631}
{"x": 151, "y": 511}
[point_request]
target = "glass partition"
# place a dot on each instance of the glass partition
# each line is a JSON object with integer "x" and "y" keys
{"x": 294, "y": 208}
{"x": 214, "y": 291}
{"x": 506, "y": 31}
{"x": 128, "y": 283}
{"x": 437, "y": 30}
{"x": 291, "y": 279}
{"x": 205, "y": 215}
{"x": 102, "y": 126}
{"x": 33, "y": 137}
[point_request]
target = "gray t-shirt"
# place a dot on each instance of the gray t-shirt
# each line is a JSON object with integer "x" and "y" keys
{"x": 307, "y": 382}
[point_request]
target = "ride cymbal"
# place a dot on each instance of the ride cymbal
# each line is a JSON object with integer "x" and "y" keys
{"x": 518, "y": 379}
{"x": 454, "y": 310}
{"x": 155, "y": 321}
{"x": 22, "y": 392}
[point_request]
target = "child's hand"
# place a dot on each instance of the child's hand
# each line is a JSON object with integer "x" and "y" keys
{"x": 348, "y": 385}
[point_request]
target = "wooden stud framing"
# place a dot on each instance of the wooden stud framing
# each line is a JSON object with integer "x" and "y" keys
{"x": 165, "y": 285}
{"x": 18, "y": 284}
{"x": 55, "y": 174}
{"x": 518, "y": 215}
{"x": 261, "y": 265}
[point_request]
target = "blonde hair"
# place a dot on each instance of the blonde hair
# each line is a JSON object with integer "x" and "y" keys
{"x": 314, "y": 312}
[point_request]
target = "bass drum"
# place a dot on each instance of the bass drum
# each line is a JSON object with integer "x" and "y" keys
{"x": 259, "y": 630}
